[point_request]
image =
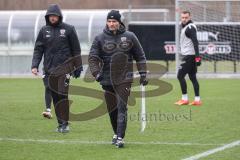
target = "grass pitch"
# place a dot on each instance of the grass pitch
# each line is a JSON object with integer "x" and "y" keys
{"x": 172, "y": 132}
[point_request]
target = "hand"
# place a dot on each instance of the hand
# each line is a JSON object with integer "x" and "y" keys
{"x": 198, "y": 60}
{"x": 98, "y": 77}
{"x": 143, "y": 80}
{"x": 35, "y": 71}
{"x": 77, "y": 73}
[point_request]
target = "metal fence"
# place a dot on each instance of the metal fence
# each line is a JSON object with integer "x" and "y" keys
{"x": 19, "y": 29}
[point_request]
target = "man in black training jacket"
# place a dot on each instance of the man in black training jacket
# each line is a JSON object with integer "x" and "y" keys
{"x": 58, "y": 43}
{"x": 111, "y": 63}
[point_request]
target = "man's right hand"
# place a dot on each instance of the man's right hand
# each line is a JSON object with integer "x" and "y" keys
{"x": 35, "y": 71}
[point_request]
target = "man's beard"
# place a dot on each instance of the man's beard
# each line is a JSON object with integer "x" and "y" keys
{"x": 54, "y": 24}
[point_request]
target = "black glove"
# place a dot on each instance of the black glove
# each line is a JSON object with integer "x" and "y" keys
{"x": 143, "y": 79}
{"x": 98, "y": 77}
{"x": 77, "y": 72}
{"x": 198, "y": 60}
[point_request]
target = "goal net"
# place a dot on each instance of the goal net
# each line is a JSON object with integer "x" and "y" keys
{"x": 218, "y": 24}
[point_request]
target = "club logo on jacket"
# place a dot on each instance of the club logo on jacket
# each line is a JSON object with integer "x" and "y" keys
{"x": 62, "y": 32}
{"x": 123, "y": 39}
{"x": 48, "y": 34}
{"x": 125, "y": 44}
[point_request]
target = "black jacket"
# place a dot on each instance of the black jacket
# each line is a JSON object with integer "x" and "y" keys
{"x": 56, "y": 43}
{"x": 112, "y": 55}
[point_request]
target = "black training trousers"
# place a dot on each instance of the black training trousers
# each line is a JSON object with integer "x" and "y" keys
{"x": 59, "y": 91}
{"x": 188, "y": 66}
{"x": 116, "y": 98}
{"x": 48, "y": 98}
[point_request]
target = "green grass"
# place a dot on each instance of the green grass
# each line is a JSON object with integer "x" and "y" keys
{"x": 215, "y": 122}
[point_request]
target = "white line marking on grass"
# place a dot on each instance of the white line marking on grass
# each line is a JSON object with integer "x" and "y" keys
{"x": 103, "y": 142}
{"x": 212, "y": 151}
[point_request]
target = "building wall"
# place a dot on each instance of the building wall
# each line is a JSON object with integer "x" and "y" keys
{"x": 79, "y": 4}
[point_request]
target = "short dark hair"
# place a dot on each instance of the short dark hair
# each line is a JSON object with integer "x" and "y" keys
{"x": 186, "y": 12}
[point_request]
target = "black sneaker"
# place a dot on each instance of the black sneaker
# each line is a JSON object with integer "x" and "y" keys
{"x": 58, "y": 129}
{"x": 114, "y": 140}
{"x": 63, "y": 129}
{"x": 120, "y": 143}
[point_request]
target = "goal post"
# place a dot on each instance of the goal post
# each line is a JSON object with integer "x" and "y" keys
{"x": 218, "y": 32}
